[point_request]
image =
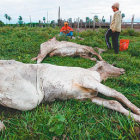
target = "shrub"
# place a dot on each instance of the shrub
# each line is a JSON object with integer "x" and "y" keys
{"x": 1, "y": 23}
{"x": 130, "y": 32}
{"x": 134, "y": 51}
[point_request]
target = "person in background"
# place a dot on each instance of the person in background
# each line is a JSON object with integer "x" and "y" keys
{"x": 115, "y": 29}
{"x": 67, "y": 30}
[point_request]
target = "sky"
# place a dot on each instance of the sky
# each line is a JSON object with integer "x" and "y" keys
{"x": 37, "y": 9}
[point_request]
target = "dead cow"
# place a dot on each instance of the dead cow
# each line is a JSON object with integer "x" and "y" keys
{"x": 64, "y": 48}
{"x": 24, "y": 86}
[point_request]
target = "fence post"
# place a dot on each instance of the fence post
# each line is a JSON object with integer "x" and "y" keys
{"x": 132, "y": 22}
{"x": 78, "y": 25}
{"x": 89, "y": 24}
{"x": 93, "y": 24}
{"x": 85, "y": 26}
{"x": 81, "y": 23}
{"x": 99, "y": 24}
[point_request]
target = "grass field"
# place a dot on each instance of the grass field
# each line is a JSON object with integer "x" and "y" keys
{"x": 72, "y": 119}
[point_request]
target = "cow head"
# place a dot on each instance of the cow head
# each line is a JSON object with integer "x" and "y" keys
{"x": 107, "y": 70}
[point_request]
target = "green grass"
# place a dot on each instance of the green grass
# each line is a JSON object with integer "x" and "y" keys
{"x": 72, "y": 119}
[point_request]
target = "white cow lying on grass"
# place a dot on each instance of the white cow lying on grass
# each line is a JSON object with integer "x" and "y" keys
{"x": 64, "y": 48}
{"x": 24, "y": 86}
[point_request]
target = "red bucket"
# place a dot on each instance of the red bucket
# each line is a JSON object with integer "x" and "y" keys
{"x": 124, "y": 43}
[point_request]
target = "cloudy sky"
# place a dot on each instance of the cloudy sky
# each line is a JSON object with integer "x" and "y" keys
{"x": 37, "y": 9}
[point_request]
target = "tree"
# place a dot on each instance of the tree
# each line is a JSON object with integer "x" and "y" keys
{"x": 6, "y": 16}
{"x": 96, "y": 19}
{"x": 123, "y": 15}
{"x": 20, "y": 20}
{"x": 70, "y": 20}
{"x": 87, "y": 19}
{"x": 9, "y": 18}
{"x": 103, "y": 19}
{"x": 44, "y": 19}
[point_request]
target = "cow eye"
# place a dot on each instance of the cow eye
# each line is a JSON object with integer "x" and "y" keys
{"x": 113, "y": 64}
{"x": 100, "y": 67}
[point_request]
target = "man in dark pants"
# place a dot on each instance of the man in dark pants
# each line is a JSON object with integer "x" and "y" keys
{"x": 115, "y": 29}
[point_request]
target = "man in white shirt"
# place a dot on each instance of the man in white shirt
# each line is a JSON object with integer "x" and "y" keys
{"x": 115, "y": 29}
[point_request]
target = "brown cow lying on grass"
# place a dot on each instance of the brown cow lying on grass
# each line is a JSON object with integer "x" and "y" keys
{"x": 64, "y": 48}
{"x": 24, "y": 86}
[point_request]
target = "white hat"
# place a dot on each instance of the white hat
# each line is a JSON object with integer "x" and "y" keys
{"x": 116, "y": 5}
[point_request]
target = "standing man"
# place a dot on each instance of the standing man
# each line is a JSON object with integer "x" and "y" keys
{"x": 115, "y": 29}
{"x": 67, "y": 30}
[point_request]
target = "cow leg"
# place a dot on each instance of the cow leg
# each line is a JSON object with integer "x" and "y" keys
{"x": 115, "y": 105}
{"x": 39, "y": 58}
{"x": 113, "y": 93}
{"x": 87, "y": 57}
{"x": 35, "y": 58}
{"x": 92, "y": 84}
{"x": 100, "y": 58}
{"x": 42, "y": 54}
{"x": 2, "y": 126}
{"x": 96, "y": 54}
{"x": 99, "y": 50}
